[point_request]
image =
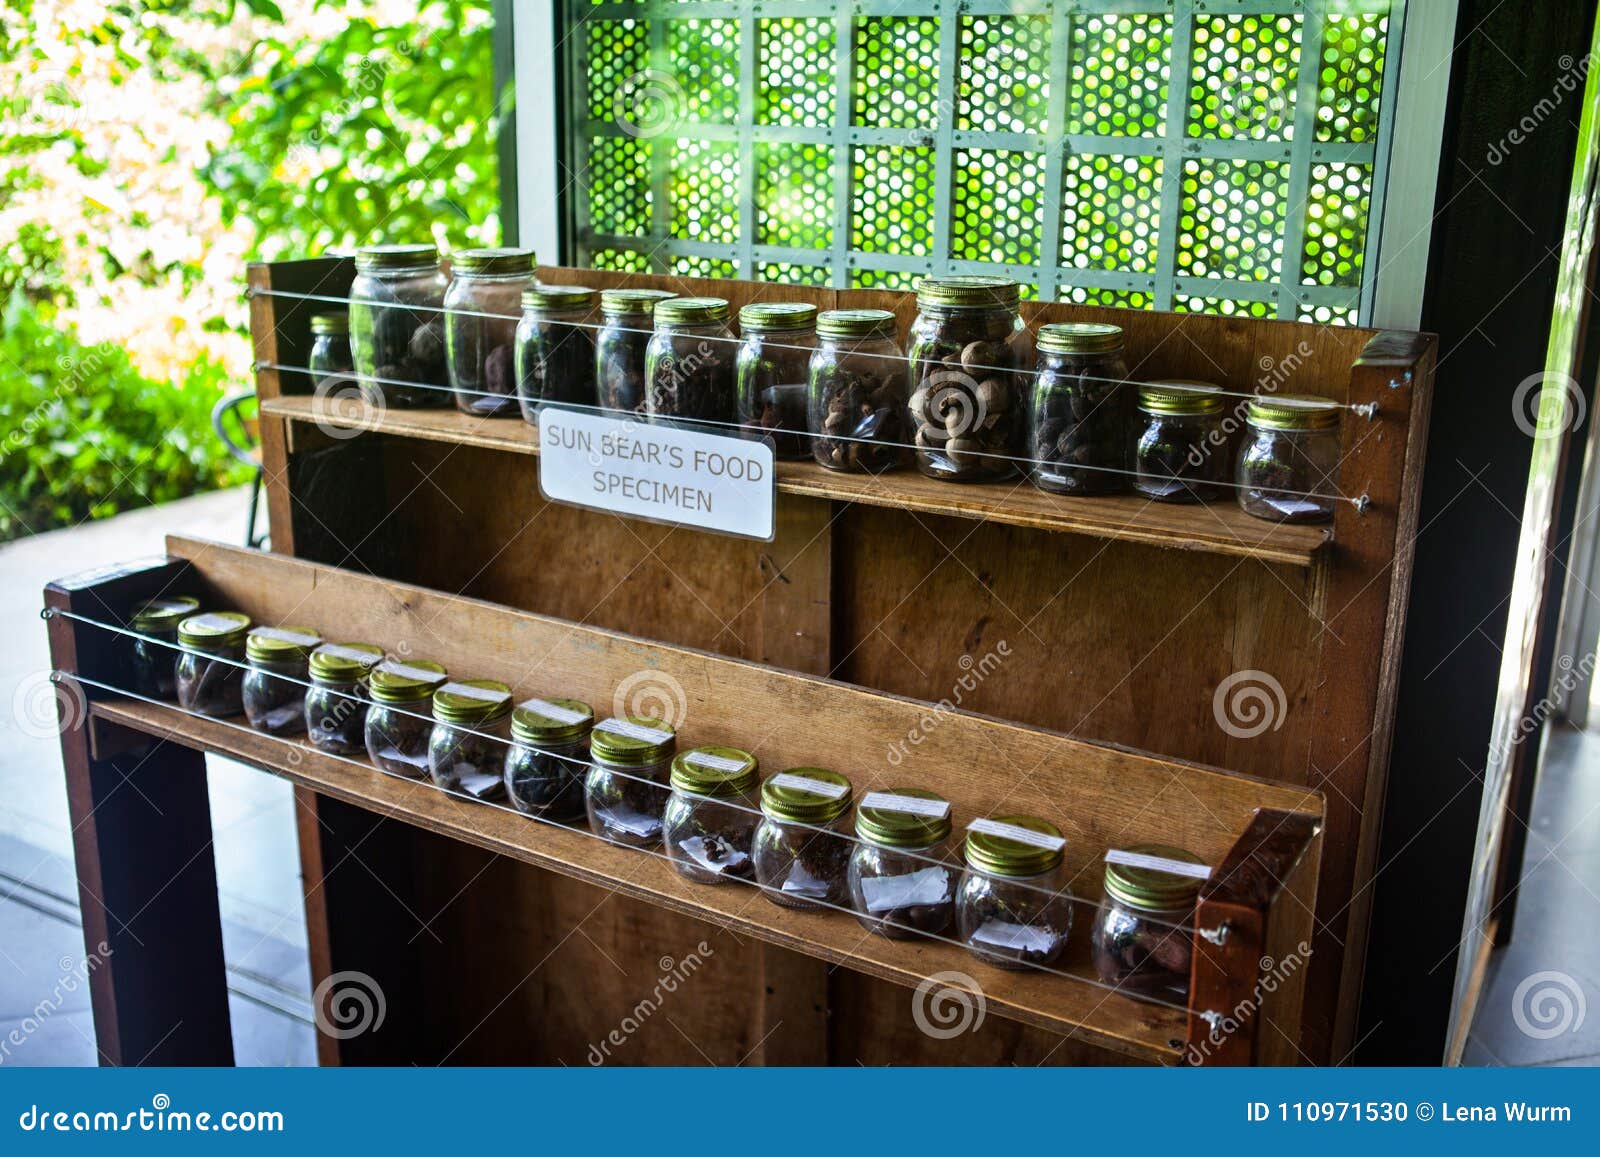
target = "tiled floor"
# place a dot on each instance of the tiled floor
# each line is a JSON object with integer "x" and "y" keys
{"x": 1541, "y": 1004}
{"x": 41, "y": 944}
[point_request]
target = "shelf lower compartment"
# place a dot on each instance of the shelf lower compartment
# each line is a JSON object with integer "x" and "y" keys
{"x": 1218, "y": 528}
{"x": 1150, "y": 1032}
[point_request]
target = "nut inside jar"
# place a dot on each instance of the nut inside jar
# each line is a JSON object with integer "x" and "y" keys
{"x": 1082, "y": 419}
{"x": 628, "y": 321}
{"x": 689, "y": 364}
{"x": 397, "y": 326}
{"x": 483, "y": 308}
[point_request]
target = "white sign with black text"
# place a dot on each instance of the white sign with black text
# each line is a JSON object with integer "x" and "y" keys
{"x": 663, "y": 473}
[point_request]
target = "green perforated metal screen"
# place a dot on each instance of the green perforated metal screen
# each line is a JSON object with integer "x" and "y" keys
{"x": 1215, "y": 155}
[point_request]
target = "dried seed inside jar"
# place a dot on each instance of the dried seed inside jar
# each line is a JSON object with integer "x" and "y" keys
{"x": 628, "y": 321}
{"x": 153, "y": 662}
{"x": 1182, "y": 453}
{"x": 774, "y": 360}
{"x": 689, "y": 365}
{"x": 484, "y": 305}
{"x": 396, "y": 327}
{"x": 336, "y": 701}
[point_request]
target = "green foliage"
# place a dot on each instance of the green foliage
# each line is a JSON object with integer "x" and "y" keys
{"x": 87, "y": 435}
{"x": 377, "y": 132}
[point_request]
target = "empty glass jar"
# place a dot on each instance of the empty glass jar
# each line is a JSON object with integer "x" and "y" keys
{"x": 711, "y": 817}
{"x": 336, "y": 701}
{"x": 555, "y": 348}
{"x": 627, "y": 323}
{"x": 1013, "y": 909}
{"x": 549, "y": 758}
{"x": 857, "y": 393}
{"x": 471, "y": 730}
{"x": 689, "y": 365}
{"x": 330, "y": 347}
{"x": 1182, "y": 451}
{"x": 773, "y": 364}
{"x": 484, "y": 303}
{"x": 1082, "y": 418}
{"x": 625, "y": 791}
{"x": 802, "y": 854}
{"x": 153, "y": 663}
{"x": 397, "y": 338}
{"x": 1143, "y": 936}
{"x": 968, "y": 401}
{"x": 274, "y": 692}
{"x": 211, "y": 663}
{"x": 1289, "y": 463}
{"x": 902, "y": 876}
{"x": 400, "y": 715}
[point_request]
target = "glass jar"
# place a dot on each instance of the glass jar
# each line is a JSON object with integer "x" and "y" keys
{"x": 396, "y": 327}
{"x": 773, "y": 364}
{"x": 330, "y": 347}
{"x": 689, "y": 364}
{"x": 968, "y": 402}
{"x": 400, "y": 715}
{"x": 336, "y": 701}
{"x": 483, "y": 305}
{"x": 857, "y": 392}
{"x": 1143, "y": 936}
{"x": 471, "y": 730}
{"x": 710, "y": 819}
{"x": 625, "y": 791}
{"x": 153, "y": 662}
{"x": 211, "y": 663}
{"x": 274, "y": 692}
{"x": 555, "y": 348}
{"x": 902, "y": 876}
{"x": 627, "y": 323}
{"x": 1290, "y": 458}
{"x": 1082, "y": 415}
{"x": 1013, "y": 909}
{"x": 802, "y": 854}
{"x": 549, "y": 758}
{"x": 1182, "y": 452}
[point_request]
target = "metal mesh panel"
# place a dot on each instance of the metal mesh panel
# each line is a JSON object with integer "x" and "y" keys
{"x": 1215, "y": 155}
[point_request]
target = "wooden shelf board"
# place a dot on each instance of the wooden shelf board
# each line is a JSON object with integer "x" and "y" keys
{"x": 1137, "y": 1028}
{"x": 1219, "y": 528}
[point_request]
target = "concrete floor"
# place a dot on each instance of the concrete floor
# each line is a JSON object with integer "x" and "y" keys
{"x": 251, "y": 814}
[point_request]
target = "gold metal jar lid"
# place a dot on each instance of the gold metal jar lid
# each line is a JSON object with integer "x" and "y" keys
{"x": 1180, "y": 397}
{"x": 472, "y": 701}
{"x": 214, "y": 629}
{"x": 1014, "y": 845}
{"x": 856, "y": 323}
{"x": 392, "y": 681}
{"x": 492, "y": 262}
{"x": 374, "y": 258}
{"x": 632, "y": 741}
{"x": 1079, "y": 337}
{"x": 344, "y": 662}
{"x": 281, "y": 644}
{"x": 691, "y": 310}
{"x": 632, "y": 302}
{"x": 558, "y": 298}
{"x": 969, "y": 292}
{"x": 163, "y": 614}
{"x": 806, "y": 795}
{"x": 551, "y": 720}
{"x": 333, "y": 324}
{"x": 1292, "y": 412}
{"x": 1149, "y": 887}
{"x": 777, "y": 315}
{"x": 715, "y": 771}
{"x": 905, "y": 826}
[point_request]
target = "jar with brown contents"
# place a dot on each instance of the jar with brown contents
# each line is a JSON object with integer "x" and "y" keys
{"x": 689, "y": 365}
{"x": 153, "y": 661}
{"x": 801, "y": 851}
{"x": 1143, "y": 936}
{"x": 555, "y": 348}
{"x": 471, "y": 731}
{"x": 211, "y": 666}
{"x": 627, "y": 323}
{"x": 1289, "y": 464}
{"x": 549, "y": 758}
{"x": 1182, "y": 453}
{"x": 902, "y": 876}
{"x": 710, "y": 821}
{"x": 396, "y": 324}
{"x": 625, "y": 791}
{"x": 969, "y": 397}
{"x": 1082, "y": 440}
{"x": 484, "y": 304}
{"x": 1014, "y": 909}
{"x": 274, "y": 691}
{"x": 336, "y": 701}
{"x": 399, "y": 715}
{"x": 774, "y": 359}
{"x": 856, "y": 402}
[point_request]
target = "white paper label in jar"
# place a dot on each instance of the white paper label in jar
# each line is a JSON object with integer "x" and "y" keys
{"x": 296, "y": 638}
{"x": 910, "y": 804}
{"x": 1019, "y": 834}
{"x": 633, "y": 731}
{"x": 811, "y": 786}
{"x": 686, "y": 476}
{"x": 1014, "y": 937}
{"x": 1158, "y": 864}
{"x": 486, "y": 694}
{"x": 554, "y": 711}
{"x": 715, "y": 762}
{"x": 481, "y": 785}
{"x": 924, "y": 886}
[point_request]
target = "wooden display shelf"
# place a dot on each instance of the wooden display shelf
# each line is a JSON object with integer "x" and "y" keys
{"x": 1260, "y": 835}
{"x": 1220, "y": 528}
